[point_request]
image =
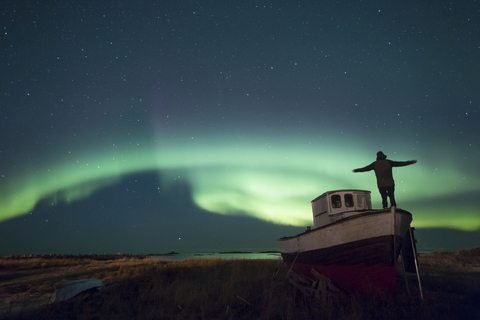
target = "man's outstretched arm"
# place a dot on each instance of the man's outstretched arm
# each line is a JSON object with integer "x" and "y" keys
{"x": 364, "y": 169}
{"x": 402, "y": 163}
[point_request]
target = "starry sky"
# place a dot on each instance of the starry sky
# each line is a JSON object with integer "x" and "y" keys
{"x": 151, "y": 126}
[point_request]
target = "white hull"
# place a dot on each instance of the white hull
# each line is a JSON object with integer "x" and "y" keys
{"x": 371, "y": 224}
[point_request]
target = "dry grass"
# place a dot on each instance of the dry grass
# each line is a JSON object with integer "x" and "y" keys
{"x": 26, "y": 263}
{"x": 244, "y": 289}
{"x": 36, "y": 263}
{"x": 464, "y": 260}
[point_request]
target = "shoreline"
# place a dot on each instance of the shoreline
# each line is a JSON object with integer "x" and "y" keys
{"x": 119, "y": 256}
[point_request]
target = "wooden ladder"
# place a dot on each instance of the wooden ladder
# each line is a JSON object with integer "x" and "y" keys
{"x": 409, "y": 259}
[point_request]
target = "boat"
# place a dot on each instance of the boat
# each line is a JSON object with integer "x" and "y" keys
{"x": 67, "y": 289}
{"x": 354, "y": 246}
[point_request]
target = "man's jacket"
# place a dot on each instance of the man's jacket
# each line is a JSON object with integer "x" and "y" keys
{"x": 383, "y": 171}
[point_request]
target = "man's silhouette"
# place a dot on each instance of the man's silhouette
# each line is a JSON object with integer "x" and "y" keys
{"x": 383, "y": 172}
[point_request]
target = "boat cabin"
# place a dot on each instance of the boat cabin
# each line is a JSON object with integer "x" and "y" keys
{"x": 336, "y": 205}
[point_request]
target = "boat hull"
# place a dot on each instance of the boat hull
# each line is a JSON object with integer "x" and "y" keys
{"x": 355, "y": 254}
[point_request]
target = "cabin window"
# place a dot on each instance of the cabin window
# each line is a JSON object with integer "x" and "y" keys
{"x": 336, "y": 201}
{"x": 348, "y": 200}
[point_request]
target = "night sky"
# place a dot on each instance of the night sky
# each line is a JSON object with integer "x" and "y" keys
{"x": 142, "y": 127}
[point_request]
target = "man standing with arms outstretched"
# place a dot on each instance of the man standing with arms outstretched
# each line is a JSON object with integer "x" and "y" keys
{"x": 383, "y": 172}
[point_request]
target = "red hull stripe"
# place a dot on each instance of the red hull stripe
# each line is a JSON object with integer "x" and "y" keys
{"x": 364, "y": 265}
{"x": 369, "y": 279}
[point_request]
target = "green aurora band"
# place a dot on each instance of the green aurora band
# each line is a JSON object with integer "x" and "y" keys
{"x": 270, "y": 182}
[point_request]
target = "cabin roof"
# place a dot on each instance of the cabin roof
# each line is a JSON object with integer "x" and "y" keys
{"x": 338, "y": 191}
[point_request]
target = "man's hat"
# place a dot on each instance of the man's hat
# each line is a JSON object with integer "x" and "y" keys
{"x": 381, "y": 156}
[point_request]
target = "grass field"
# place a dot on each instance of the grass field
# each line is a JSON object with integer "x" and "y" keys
{"x": 228, "y": 289}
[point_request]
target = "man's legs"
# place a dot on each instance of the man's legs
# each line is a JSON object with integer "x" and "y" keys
{"x": 390, "y": 192}
{"x": 391, "y": 195}
{"x": 383, "y": 193}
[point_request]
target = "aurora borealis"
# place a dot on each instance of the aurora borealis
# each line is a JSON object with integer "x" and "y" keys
{"x": 161, "y": 123}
